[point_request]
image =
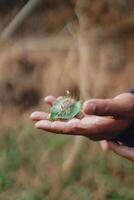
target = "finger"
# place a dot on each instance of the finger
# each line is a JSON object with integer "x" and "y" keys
{"x": 50, "y": 100}
{"x": 93, "y": 127}
{"x": 104, "y": 145}
{"x": 123, "y": 151}
{"x": 36, "y": 116}
{"x": 65, "y": 127}
{"x": 120, "y": 107}
{"x": 102, "y": 128}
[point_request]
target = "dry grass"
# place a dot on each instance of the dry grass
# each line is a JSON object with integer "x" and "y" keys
{"x": 41, "y": 68}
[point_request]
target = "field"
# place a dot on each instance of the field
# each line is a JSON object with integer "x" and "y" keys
{"x": 31, "y": 169}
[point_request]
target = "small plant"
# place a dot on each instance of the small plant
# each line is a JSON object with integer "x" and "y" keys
{"x": 65, "y": 108}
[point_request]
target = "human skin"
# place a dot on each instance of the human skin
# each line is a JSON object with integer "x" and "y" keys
{"x": 103, "y": 119}
{"x": 121, "y": 150}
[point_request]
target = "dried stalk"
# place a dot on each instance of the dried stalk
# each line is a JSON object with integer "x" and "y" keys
{"x": 87, "y": 51}
{"x": 18, "y": 19}
{"x": 73, "y": 154}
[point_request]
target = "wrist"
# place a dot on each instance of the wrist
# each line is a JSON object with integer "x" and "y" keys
{"x": 127, "y": 136}
{"x": 132, "y": 90}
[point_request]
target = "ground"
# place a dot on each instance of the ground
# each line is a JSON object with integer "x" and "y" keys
{"x": 31, "y": 169}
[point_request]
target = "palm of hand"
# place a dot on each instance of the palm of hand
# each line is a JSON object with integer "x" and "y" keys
{"x": 109, "y": 118}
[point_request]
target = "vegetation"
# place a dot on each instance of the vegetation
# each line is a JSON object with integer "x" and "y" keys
{"x": 30, "y": 169}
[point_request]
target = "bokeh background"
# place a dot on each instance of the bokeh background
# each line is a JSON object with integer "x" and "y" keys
{"x": 46, "y": 48}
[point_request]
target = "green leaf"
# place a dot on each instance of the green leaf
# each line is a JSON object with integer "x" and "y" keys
{"x": 65, "y": 108}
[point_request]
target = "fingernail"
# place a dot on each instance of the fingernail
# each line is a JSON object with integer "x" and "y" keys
{"x": 42, "y": 123}
{"x": 33, "y": 114}
{"x": 93, "y": 107}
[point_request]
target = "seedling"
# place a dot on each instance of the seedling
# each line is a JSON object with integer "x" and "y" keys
{"x": 65, "y": 108}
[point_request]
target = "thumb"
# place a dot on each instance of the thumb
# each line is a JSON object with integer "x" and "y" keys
{"x": 121, "y": 150}
{"x": 120, "y": 107}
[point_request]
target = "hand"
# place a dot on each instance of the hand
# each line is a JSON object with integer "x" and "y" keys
{"x": 121, "y": 150}
{"x": 103, "y": 119}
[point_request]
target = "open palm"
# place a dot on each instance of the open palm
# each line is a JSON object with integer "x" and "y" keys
{"x": 102, "y": 119}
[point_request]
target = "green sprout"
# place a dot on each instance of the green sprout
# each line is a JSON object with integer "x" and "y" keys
{"x": 65, "y": 108}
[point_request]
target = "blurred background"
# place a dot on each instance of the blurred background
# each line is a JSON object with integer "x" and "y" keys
{"x": 46, "y": 48}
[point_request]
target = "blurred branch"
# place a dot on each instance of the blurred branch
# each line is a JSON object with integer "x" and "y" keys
{"x": 49, "y": 42}
{"x": 72, "y": 28}
{"x": 19, "y": 18}
{"x": 68, "y": 164}
{"x": 121, "y": 28}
